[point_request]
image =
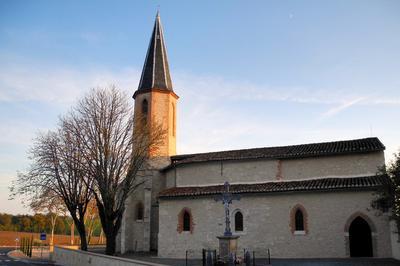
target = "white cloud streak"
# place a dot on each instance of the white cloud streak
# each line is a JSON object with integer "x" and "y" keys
{"x": 58, "y": 86}
{"x": 64, "y": 84}
{"x": 335, "y": 110}
{"x": 211, "y": 88}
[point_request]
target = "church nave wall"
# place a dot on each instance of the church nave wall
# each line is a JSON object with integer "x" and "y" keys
{"x": 267, "y": 224}
{"x": 264, "y": 170}
{"x": 333, "y": 166}
{"x": 211, "y": 173}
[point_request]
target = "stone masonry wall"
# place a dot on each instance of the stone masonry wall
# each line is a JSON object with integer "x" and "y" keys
{"x": 161, "y": 110}
{"x": 263, "y": 170}
{"x": 141, "y": 235}
{"x": 267, "y": 225}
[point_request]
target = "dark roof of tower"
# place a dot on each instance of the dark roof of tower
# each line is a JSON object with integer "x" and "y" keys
{"x": 155, "y": 74}
{"x": 343, "y": 147}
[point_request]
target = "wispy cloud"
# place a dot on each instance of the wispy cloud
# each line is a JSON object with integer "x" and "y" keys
{"x": 335, "y": 110}
{"x": 58, "y": 85}
{"x": 63, "y": 85}
{"x": 212, "y": 88}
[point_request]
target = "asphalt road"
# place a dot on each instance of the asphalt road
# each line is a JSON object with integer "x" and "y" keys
{"x": 5, "y": 260}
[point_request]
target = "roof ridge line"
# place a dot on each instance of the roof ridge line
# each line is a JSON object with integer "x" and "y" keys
{"x": 272, "y": 147}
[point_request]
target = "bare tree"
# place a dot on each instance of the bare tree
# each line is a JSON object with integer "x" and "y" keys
{"x": 115, "y": 147}
{"x": 57, "y": 168}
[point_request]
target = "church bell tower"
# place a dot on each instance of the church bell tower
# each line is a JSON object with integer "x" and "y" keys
{"x": 155, "y": 98}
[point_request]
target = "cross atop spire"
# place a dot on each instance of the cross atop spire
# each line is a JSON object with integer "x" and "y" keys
{"x": 155, "y": 74}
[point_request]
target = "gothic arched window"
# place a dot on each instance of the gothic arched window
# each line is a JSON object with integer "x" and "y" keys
{"x": 238, "y": 221}
{"x": 186, "y": 221}
{"x": 299, "y": 220}
{"x": 139, "y": 211}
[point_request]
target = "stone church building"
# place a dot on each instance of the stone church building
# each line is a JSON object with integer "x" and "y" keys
{"x": 299, "y": 201}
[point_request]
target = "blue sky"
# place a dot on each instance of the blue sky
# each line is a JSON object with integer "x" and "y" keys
{"x": 249, "y": 73}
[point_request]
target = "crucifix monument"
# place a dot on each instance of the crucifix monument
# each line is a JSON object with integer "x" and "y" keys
{"x": 227, "y": 242}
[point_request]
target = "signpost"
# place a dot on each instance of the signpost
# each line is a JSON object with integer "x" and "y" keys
{"x": 42, "y": 237}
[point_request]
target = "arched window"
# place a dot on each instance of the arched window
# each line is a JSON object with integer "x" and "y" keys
{"x": 139, "y": 211}
{"x": 186, "y": 221}
{"x": 299, "y": 220}
{"x": 238, "y": 221}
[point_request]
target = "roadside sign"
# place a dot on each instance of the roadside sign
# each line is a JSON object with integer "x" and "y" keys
{"x": 42, "y": 236}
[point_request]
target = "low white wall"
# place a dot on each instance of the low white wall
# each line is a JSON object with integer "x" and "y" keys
{"x": 70, "y": 257}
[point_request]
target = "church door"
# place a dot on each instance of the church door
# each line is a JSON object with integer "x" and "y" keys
{"x": 360, "y": 238}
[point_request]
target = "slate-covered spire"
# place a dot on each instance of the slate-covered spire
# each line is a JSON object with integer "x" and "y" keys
{"x": 155, "y": 74}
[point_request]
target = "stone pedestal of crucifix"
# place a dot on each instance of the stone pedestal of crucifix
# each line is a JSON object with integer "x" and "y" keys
{"x": 227, "y": 243}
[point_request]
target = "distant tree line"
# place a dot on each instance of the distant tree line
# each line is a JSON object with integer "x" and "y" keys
{"x": 40, "y": 223}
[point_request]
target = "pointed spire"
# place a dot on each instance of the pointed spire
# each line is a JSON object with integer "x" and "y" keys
{"x": 155, "y": 73}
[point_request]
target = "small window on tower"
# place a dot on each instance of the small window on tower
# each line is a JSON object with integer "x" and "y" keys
{"x": 145, "y": 109}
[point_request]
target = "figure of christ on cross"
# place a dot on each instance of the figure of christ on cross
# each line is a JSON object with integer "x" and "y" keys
{"x": 226, "y": 197}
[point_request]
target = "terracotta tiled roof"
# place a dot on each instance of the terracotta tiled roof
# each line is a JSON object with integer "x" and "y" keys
{"x": 285, "y": 152}
{"x": 345, "y": 183}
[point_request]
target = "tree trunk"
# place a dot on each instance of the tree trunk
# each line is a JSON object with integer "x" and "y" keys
{"x": 111, "y": 241}
{"x": 101, "y": 237}
{"x": 111, "y": 223}
{"x": 80, "y": 226}
{"x": 53, "y": 225}
{"x": 52, "y": 237}
{"x": 82, "y": 234}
